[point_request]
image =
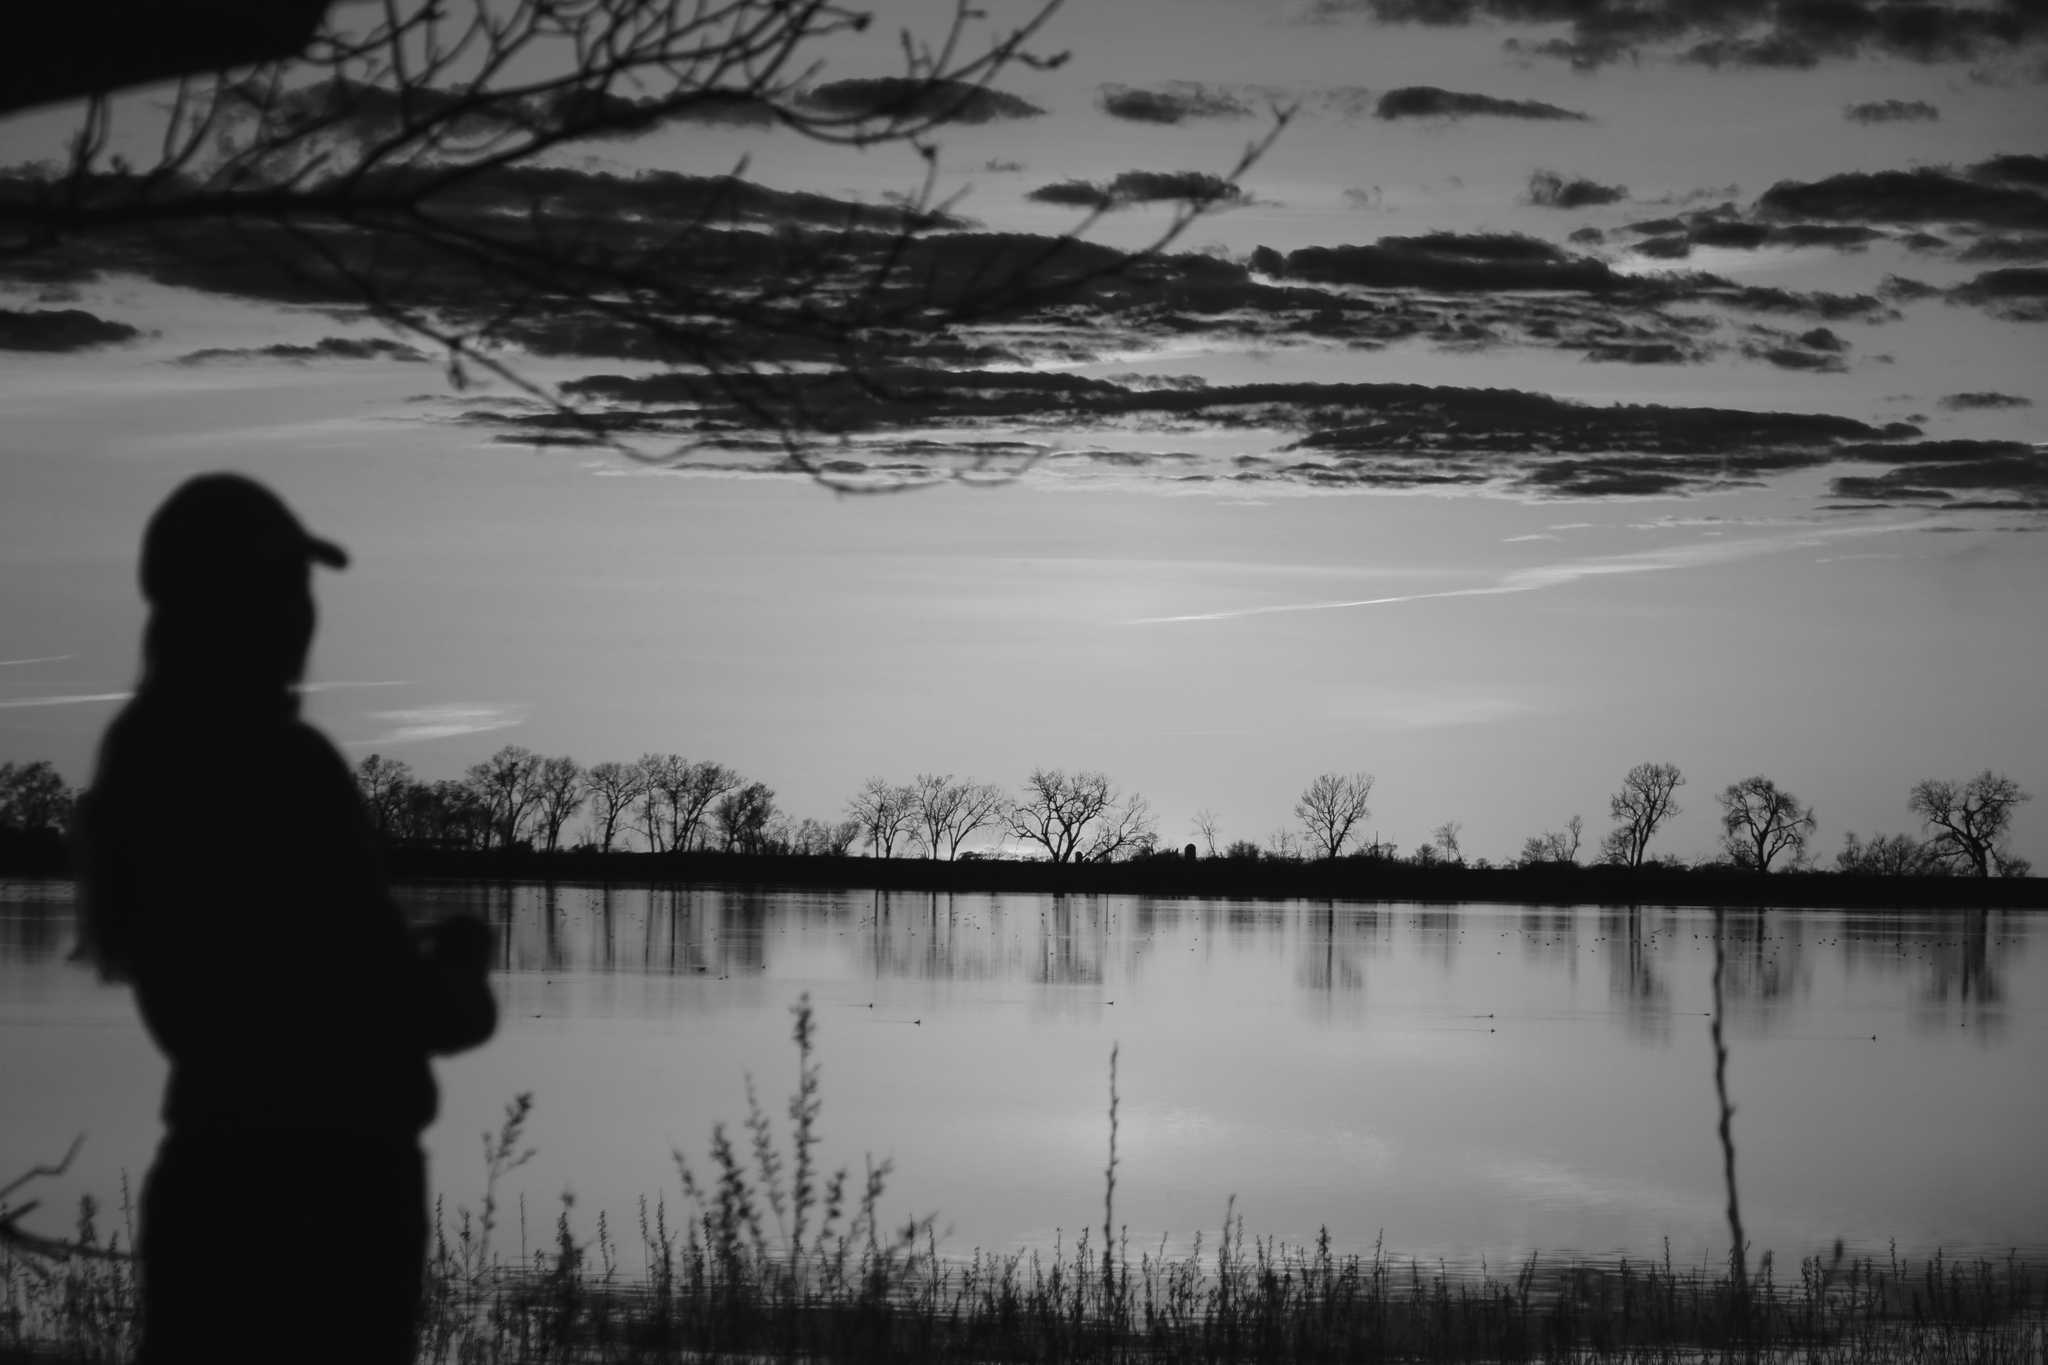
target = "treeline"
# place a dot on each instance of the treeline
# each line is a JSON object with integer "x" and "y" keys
{"x": 518, "y": 803}
{"x": 665, "y": 803}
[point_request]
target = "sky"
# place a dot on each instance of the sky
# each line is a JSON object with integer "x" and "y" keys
{"x": 1551, "y": 398}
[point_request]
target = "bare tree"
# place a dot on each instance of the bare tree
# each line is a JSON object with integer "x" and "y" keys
{"x": 383, "y": 783}
{"x": 614, "y": 787}
{"x": 1445, "y": 837}
{"x": 947, "y": 812}
{"x": 561, "y": 788}
{"x": 1555, "y": 845}
{"x": 1760, "y": 821}
{"x": 703, "y": 783}
{"x": 660, "y": 775}
{"x": 1126, "y": 829}
{"x": 678, "y": 794}
{"x": 505, "y": 784}
{"x": 1330, "y": 809}
{"x": 1967, "y": 822}
{"x": 1889, "y": 855}
{"x": 1643, "y": 804}
{"x": 415, "y": 159}
{"x": 1206, "y": 826}
{"x": 1080, "y": 817}
{"x": 818, "y": 839}
{"x": 742, "y": 817}
{"x": 886, "y": 813}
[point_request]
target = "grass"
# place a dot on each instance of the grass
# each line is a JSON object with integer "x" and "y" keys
{"x": 779, "y": 1260}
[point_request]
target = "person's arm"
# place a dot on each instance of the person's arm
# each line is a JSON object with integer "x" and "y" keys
{"x": 454, "y": 1002}
{"x": 443, "y": 970}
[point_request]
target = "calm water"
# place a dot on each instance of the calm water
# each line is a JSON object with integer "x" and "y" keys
{"x": 1467, "y": 1082}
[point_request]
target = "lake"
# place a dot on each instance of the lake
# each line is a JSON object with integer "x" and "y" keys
{"x": 1467, "y": 1083}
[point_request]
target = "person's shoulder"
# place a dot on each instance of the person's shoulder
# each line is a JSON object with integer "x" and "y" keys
{"x": 305, "y": 747}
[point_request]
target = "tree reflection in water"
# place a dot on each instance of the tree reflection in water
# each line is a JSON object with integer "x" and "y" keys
{"x": 1633, "y": 981}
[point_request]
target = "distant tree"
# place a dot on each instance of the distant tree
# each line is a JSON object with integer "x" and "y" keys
{"x": 384, "y": 783}
{"x": 505, "y": 784}
{"x": 1555, "y": 845}
{"x": 651, "y": 808}
{"x": 947, "y": 813}
{"x": 1445, "y": 837}
{"x": 1283, "y": 845}
{"x": 1967, "y": 822}
{"x": 704, "y": 783}
{"x": 742, "y": 817}
{"x": 1079, "y": 817}
{"x": 613, "y": 788}
{"x": 1242, "y": 851}
{"x": 1126, "y": 830}
{"x": 560, "y": 788}
{"x": 886, "y": 813}
{"x": 678, "y": 794}
{"x": 447, "y": 813}
{"x": 1205, "y": 826}
{"x": 818, "y": 839}
{"x": 1330, "y": 809}
{"x": 1760, "y": 820}
{"x": 34, "y": 798}
{"x": 1888, "y": 855}
{"x": 1644, "y": 803}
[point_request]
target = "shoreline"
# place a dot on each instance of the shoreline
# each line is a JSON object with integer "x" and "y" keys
{"x": 1356, "y": 879}
{"x": 1349, "y": 879}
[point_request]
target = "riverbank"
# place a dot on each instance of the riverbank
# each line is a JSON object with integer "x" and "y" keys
{"x": 1350, "y": 879}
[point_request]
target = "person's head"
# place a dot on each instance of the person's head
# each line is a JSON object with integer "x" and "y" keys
{"x": 227, "y": 572}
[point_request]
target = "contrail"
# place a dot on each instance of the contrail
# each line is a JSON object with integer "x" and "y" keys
{"x": 39, "y": 659}
{"x": 65, "y": 699}
{"x": 1542, "y": 576}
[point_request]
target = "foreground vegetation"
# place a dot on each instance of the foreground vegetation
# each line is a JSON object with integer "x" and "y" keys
{"x": 778, "y": 1260}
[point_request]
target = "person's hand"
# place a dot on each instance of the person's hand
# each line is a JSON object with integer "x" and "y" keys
{"x": 461, "y": 942}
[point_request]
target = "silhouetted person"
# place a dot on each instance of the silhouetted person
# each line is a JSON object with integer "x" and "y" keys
{"x": 231, "y": 876}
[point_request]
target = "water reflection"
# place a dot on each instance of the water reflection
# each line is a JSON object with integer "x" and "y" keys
{"x": 1954, "y": 969}
{"x": 1635, "y": 980}
{"x": 1464, "y": 1079}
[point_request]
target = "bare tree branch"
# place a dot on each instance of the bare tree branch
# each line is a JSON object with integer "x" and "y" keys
{"x": 407, "y": 159}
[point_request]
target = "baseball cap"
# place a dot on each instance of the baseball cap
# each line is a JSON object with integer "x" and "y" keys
{"x": 224, "y": 533}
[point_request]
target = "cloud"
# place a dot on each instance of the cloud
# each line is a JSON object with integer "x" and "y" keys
{"x": 1444, "y": 260}
{"x": 1548, "y": 189}
{"x": 1996, "y": 247}
{"x": 327, "y": 348}
{"x": 1142, "y": 187}
{"x": 1429, "y": 101}
{"x": 1927, "y": 195}
{"x": 2009, "y": 475}
{"x": 1892, "y": 111}
{"x": 1984, "y": 399}
{"x": 59, "y": 329}
{"x": 1745, "y": 33}
{"x": 2014, "y": 168}
{"x": 1081, "y": 194}
{"x": 414, "y": 725}
{"x": 1333, "y": 437}
{"x": 903, "y": 97}
{"x": 1175, "y": 102}
{"x": 2016, "y": 293}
